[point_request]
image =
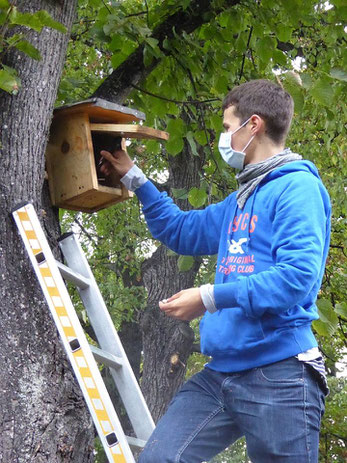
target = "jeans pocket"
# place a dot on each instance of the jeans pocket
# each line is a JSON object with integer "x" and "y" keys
{"x": 287, "y": 371}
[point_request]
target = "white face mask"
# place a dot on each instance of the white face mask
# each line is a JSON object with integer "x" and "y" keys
{"x": 235, "y": 159}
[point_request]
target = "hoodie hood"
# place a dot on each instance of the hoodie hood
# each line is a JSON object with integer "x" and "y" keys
{"x": 290, "y": 167}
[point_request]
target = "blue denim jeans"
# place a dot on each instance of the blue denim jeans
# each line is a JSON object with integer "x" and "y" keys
{"x": 278, "y": 408}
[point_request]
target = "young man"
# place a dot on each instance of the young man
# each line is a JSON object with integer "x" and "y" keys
{"x": 265, "y": 380}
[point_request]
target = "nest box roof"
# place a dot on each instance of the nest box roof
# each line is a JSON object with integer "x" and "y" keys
{"x": 101, "y": 111}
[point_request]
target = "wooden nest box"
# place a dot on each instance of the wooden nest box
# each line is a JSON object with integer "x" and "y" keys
{"x": 78, "y": 133}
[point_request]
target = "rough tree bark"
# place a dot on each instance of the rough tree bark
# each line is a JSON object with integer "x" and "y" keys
{"x": 43, "y": 415}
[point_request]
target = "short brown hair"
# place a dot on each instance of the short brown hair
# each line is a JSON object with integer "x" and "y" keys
{"x": 266, "y": 99}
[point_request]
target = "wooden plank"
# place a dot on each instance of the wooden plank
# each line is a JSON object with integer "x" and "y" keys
{"x": 100, "y": 110}
{"x": 70, "y": 159}
{"x": 130, "y": 131}
{"x": 95, "y": 200}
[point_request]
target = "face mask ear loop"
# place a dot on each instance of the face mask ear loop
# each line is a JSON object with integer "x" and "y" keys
{"x": 244, "y": 149}
{"x": 242, "y": 125}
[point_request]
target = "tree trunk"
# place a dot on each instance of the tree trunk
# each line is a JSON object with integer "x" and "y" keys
{"x": 43, "y": 415}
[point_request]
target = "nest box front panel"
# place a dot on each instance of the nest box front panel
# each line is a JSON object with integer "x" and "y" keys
{"x": 70, "y": 161}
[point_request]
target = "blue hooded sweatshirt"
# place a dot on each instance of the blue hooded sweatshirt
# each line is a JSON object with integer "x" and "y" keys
{"x": 271, "y": 259}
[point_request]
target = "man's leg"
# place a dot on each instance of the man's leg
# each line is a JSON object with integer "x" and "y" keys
{"x": 278, "y": 407}
{"x": 195, "y": 427}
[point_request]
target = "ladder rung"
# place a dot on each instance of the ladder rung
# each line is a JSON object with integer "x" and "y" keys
{"x": 72, "y": 276}
{"x": 107, "y": 358}
{"x": 135, "y": 442}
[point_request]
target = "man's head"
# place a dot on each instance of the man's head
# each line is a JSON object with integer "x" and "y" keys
{"x": 265, "y": 99}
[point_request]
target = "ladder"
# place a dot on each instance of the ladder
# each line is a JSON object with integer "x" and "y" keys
{"x": 82, "y": 355}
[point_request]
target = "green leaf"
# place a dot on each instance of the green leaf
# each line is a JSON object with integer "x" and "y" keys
{"x": 172, "y": 108}
{"x": 152, "y": 42}
{"x": 147, "y": 55}
{"x": 339, "y": 74}
{"x": 292, "y": 84}
{"x": 14, "y": 38}
{"x": 180, "y": 193}
{"x": 171, "y": 253}
{"x": 192, "y": 144}
{"x": 284, "y": 33}
{"x": 264, "y": 48}
{"x": 166, "y": 44}
{"x": 9, "y": 81}
{"x": 4, "y": 4}
{"x": 36, "y": 20}
{"x": 200, "y": 137}
{"x": 117, "y": 59}
{"x": 216, "y": 123}
{"x": 322, "y": 328}
{"x": 279, "y": 57}
{"x": 25, "y": 19}
{"x": 175, "y": 127}
{"x": 222, "y": 84}
{"x": 341, "y": 309}
{"x": 153, "y": 146}
{"x": 30, "y": 50}
{"x": 197, "y": 197}
{"x": 323, "y": 92}
{"x": 174, "y": 145}
{"x": 306, "y": 80}
{"x": 47, "y": 20}
{"x": 185, "y": 263}
{"x": 328, "y": 319}
{"x": 3, "y": 18}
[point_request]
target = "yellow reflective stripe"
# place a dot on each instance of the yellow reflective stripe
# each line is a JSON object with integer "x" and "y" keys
{"x": 53, "y": 291}
{"x": 119, "y": 458}
{"x": 45, "y": 272}
{"x": 69, "y": 331}
{"x": 61, "y": 311}
{"x": 31, "y": 235}
{"x": 23, "y": 216}
{"x": 102, "y": 415}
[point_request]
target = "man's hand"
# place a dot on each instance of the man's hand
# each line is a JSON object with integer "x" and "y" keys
{"x": 119, "y": 161}
{"x": 185, "y": 305}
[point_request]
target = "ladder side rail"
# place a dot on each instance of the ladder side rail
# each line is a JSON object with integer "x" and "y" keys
{"x": 72, "y": 336}
{"x": 108, "y": 339}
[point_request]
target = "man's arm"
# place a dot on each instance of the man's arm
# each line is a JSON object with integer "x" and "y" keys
{"x": 190, "y": 233}
{"x": 300, "y": 244}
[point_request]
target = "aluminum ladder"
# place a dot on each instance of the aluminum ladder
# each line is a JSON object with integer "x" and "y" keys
{"x": 82, "y": 355}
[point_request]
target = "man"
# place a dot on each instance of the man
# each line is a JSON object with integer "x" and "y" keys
{"x": 265, "y": 380}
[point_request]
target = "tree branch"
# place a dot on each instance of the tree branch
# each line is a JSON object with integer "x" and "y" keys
{"x": 187, "y": 102}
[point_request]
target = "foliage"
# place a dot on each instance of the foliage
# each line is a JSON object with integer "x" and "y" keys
{"x": 14, "y": 30}
{"x": 116, "y": 242}
{"x": 333, "y": 442}
{"x": 299, "y": 44}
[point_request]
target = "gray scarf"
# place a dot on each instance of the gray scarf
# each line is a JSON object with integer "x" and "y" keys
{"x": 253, "y": 174}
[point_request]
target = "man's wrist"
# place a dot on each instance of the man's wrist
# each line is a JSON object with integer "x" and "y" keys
{"x": 134, "y": 178}
{"x": 207, "y": 296}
